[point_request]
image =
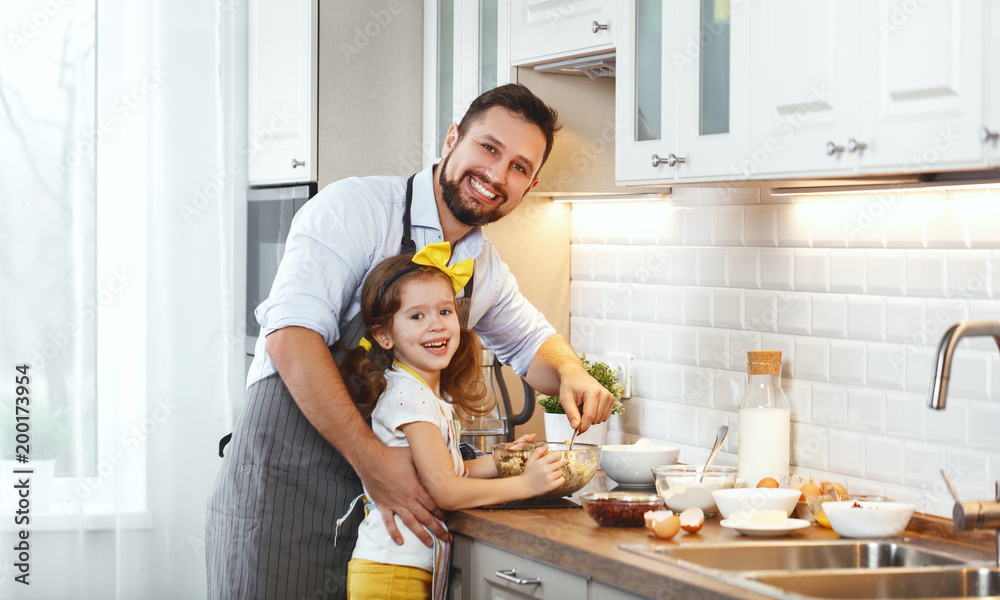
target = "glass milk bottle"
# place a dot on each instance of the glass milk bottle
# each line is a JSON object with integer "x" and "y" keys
{"x": 763, "y": 421}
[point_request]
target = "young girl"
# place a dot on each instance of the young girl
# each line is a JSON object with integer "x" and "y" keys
{"x": 414, "y": 366}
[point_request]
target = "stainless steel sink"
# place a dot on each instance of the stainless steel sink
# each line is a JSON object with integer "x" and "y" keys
{"x": 771, "y": 556}
{"x": 904, "y": 583}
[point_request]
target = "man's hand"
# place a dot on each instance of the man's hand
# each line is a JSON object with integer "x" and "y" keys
{"x": 392, "y": 483}
{"x": 556, "y": 370}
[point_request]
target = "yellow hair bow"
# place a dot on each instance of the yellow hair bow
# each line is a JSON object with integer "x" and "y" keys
{"x": 364, "y": 343}
{"x": 438, "y": 255}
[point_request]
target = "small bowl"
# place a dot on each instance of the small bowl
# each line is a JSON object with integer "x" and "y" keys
{"x": 632, "y": 465}
{"x": 815, "y": 504}
{"x": 620, "y": 509}
{"x": 681, "y": 490}
{"x": 578, "y": 465}
{"x": 737, "y": 499}
{"x": 853, "y": 519}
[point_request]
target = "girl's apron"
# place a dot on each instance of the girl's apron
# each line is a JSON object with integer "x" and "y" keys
{"x": 271, "y": 522}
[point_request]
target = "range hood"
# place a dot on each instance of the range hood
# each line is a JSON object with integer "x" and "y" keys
{"x": 593, "y": 66}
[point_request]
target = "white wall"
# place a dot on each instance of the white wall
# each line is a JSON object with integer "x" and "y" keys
{"x": 855, "y": 290}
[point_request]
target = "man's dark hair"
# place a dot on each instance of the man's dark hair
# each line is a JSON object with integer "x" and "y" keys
{"x": 519, "y": 100}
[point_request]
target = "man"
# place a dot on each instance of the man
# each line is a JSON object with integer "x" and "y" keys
{"x": 300, "y": 448}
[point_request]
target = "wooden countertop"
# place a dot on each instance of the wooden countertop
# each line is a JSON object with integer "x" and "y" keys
{"x": 569, "y": 538}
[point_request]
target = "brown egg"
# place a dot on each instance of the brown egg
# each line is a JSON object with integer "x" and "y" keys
{"x": 667, "y": 528}
{"x": 655, "y": 515}
{"x": 692, "y": 519}
{"x": 768, "y": 482}
{"x": 809, "y": 489}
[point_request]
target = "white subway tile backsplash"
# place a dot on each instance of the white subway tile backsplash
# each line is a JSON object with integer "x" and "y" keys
{"x": 699, "y": 225}
{"x": 925, "y": 273}
{"x": 866, "y": 409}
{"x": 809, "y": 446}
{"x": 656, "y": 419}
{"x": 949, "y": 426}
{"x": 712, "y": 196}
{"x": 591, "y": 299}
{"x": 884, "y": 459}
{"x": 969, "y": 472}
{"x": 922, "y": 464}
{"x": 798, "y": 393}
{"x": 605, "y": 264}
{"x": 739, "y": 343}
{"x": 942, "y": 314}
{"x": 848, "y": 271}
{"x": 671, "y": 231}
{"x": 904, "y": 415}
{"x": 812, "y": 359}
{"x": 984, "y": 310}
{"x": 670, "y": 383}
{"x": 729, "y": 226}
{"x": 656, "y": 342}
{"x": 644, "y": 375}
{"x": 848, "y": 362}
{"x": 669, "y": 304}
{"x": 795, "y": 225}
{"x": 581, "y": 258}
{"x": 712, "y": 267}
{"x": 846, "y": 452}
{"x": 970, "y": 374}
{"x": 586, "y": 224}
{"x": 784, "y": 344}
{"x": 728, "y": 309}
{"x": 969, "y": 273}
{"x": 713, "y": 348}
{"x": 617, "y": 301}
{"x": 829, "y": 405}
{"x": 642, "y": 302}
{"x": 698, "y": 306}
{"x": 762, "y": 225}
{"x": 866, "y": 317}
{"x": 762, "y": 310}
{"x": 630, "y": 269}
{"x": 646, "y": 219}
{"x": 811, "y": 271}
{"x": 982, "y": 216}
{"x": 744, "y": 268}
{"x": 829, "y": 225}
{"x": 905, "y": 317}
{"x": 984, "y": 423}
{"x": 886, "y": 272}
{"x": 684, "y": 345}
{"x": 886, "y": 366}
{"x": 865, "y": 225}
{"x": 709, "y": 422}
{"x": 777, "y": 268}
{"x": 727, "y": 389}
{"x": 919, "y": 366}
{"x": 630, "y": 338}
{"x": 794, "y": 313}
{"x": 684, "y": 266}
{"x": 829, "y": 315}
{"x": 684, "y": 424}
{"x": 698, "y": 387}
{"x": 904, "y": 225}
{"x": 944, "y": 227}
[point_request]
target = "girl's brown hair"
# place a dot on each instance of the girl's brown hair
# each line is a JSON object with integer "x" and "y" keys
{"x": 363, "y": 371}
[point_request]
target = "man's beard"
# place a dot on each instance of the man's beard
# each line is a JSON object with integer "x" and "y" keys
{"x": 469, "y": 211}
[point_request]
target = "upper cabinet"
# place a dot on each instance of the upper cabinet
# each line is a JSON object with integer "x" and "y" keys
{"x": 681, "y": 90}
{"x": 465, "y": 54}
{"x": 545, "y": 30}
{"x": 282, "y": 91}
{"x": 720, "y": 91}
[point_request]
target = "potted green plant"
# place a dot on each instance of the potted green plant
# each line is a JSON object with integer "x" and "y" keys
{"x": 557, "y": 426}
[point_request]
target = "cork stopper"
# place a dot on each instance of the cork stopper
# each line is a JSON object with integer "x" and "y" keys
{"x": 764, "y": 362}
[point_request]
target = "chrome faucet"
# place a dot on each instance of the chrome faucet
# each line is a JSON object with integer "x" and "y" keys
{"x": 977, "y": 514}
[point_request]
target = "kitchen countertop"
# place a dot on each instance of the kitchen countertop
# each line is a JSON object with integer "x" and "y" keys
{"x": 569, "y": 538}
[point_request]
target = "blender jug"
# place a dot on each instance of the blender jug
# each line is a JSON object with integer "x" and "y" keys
{"x": 496, "y": 426}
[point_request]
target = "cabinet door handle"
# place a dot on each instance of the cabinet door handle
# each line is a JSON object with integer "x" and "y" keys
{"x": 854, "y": 145}
{"x": 595, "y": 26}
{"x": 832, "y": 148}
{"x": 298, "y": 163}
{"x": 986, "y": 136}
{"x": 511, "y": 575}
{"x": 671, "y": 160}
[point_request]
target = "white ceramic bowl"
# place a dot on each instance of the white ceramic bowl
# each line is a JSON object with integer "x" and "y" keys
{"x": 633, "y": 464}
{"x": 868, "y": 519}
{"x": 736, "y": 499}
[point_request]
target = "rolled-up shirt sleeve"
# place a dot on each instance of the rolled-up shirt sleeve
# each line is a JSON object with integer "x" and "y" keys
{"x": 511, "y": 327}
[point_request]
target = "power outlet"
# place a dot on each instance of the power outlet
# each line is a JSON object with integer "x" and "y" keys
{"x": 622, "y": 365}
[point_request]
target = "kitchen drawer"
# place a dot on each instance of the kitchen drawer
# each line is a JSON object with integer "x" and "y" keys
{"x": 552, "y": 582}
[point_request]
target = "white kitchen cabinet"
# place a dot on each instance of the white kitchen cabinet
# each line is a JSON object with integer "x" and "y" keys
{"x": 849, "y": 87}
{"x": 282, "y": 91}
{"x": 466, "y": 53}
{"x": 603, "y": 591}
{"x": 989, "y": 133}
{"x": 499, "y": 573}
{"x": 681, "y": 91}
{"x": 546, "y": 30}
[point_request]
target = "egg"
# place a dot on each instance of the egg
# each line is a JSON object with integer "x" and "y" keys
{"x": 768, "y": 482}
{"x": 809, "y": 489}
{"x": 655, "y": 515}
{"x": 666, "y": 528}
{"x": 692, "y": 519}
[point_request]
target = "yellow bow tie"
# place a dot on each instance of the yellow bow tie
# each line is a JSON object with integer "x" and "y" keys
{"x": 438, "y": 255}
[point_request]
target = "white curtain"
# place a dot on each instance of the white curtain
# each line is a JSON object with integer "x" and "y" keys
{"x": 125, "y": 267}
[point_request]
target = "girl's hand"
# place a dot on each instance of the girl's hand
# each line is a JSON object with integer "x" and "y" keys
{"x": 543, "y": 472}
{"x": 525, "y": 439}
